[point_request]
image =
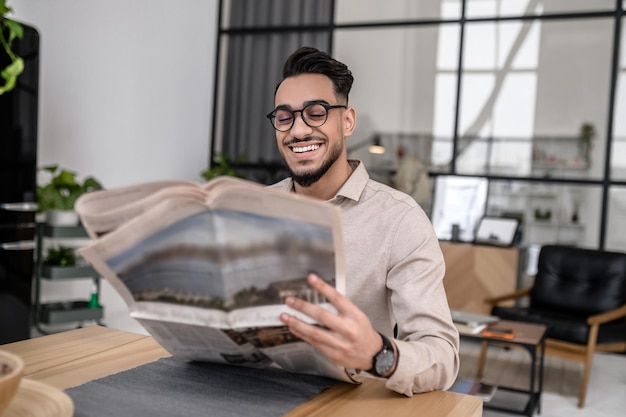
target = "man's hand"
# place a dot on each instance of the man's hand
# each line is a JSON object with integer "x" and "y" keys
{"x": 348, "y": 339}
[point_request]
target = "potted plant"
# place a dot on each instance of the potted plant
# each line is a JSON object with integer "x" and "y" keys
{"x": 585, "y": 138}
{"x": 60, "y": 256}
{"x": 9, "y": 30}
{"x": 57, "y": 197}
{"x": 224, "y": 166}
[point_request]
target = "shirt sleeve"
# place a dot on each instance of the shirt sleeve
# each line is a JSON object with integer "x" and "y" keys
{"x": 427, "y": 340}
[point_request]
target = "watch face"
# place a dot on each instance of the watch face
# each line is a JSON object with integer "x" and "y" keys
{"x": 384, "y": 362}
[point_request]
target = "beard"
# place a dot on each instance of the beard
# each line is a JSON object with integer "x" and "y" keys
{"x": 308, "y": 178}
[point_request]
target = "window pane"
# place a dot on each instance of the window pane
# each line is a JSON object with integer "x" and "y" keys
{"x": 550, "y": 213}
{"x": 251, "y": 67}
{"x": 275, "y": 13}
{"x": 358, "y": 11}
{"x": 448, "y": 47}
{"x": 472, "y": 156}
{"x": 498, "y": 97}
{"x": 573, "y": 84}
{"x": 445, "y": 103}
{"x": 477, "y": 95}
{"x": 396, "y": 93}
{"x": 459, "y": 202}
{"x": 618, "y": 161}
{"x": 497, "y": 8}
{"x": 616, "y": 222}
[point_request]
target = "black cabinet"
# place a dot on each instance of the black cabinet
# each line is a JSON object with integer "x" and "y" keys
{"x": 18, "y": 169}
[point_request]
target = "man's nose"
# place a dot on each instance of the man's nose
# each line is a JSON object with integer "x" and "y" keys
{"x": 300, "y": 128}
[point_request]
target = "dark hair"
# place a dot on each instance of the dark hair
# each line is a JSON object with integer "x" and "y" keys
{"x": 307, "y": 60}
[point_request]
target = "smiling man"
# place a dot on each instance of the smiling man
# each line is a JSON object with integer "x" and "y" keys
{"x": 394, "y": 266}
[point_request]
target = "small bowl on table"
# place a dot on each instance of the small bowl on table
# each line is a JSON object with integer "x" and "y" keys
{"x": 11, "y": 371}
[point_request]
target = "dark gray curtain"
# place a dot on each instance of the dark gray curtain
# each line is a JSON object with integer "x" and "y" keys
{"x": 259, "y": 36}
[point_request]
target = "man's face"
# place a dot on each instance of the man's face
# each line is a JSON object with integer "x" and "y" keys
{"x": 310, "y": 152}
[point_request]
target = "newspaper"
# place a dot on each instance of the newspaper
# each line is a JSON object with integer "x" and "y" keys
{"x": 205, "y": 268}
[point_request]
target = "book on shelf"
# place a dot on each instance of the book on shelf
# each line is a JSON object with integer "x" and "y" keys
{"x": 205, "y": 268}
{"x": 469, "y": 328}
{"x": 499, "y": 332}
{"x": 475, "y": 388}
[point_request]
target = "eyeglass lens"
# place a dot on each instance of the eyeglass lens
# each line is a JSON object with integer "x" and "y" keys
{"x": 314, "y": 115}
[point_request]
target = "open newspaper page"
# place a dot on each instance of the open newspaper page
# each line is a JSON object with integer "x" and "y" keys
{"x": 207, "y": 268}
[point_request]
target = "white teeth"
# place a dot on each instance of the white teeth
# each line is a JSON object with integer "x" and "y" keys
{"x": 305, "y": 148}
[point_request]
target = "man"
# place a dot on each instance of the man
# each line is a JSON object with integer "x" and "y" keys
{"x": 394, "y": 266}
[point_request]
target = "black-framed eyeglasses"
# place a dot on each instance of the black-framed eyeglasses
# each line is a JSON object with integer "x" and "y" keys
{"x": 313, "y": 114}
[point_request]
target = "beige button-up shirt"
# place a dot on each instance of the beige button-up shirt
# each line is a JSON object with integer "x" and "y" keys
{"x": 394, "y": 274}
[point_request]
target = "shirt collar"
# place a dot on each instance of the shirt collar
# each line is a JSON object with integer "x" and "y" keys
{"x": 354, "y": 186}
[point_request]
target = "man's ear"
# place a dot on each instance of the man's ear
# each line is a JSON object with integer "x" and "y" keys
{"x": 349, "y": 121}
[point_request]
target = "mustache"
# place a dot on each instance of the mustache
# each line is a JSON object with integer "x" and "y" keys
{"x": 296, "y": 141}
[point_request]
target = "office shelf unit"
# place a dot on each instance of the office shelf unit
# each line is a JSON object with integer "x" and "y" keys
{"x": 549, "y": 214}
{"x": 66, "y": 311}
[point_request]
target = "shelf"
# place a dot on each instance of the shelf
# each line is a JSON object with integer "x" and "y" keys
{"x": 68, "y": 311}
{"x": 62, "y": 311}
{"x": 523, "y": 194}
{"x": 558, "y": 165}
{"x": 554, "y": 224}
{"x": 513, "y": 400}
{"x": 67, "y": 272}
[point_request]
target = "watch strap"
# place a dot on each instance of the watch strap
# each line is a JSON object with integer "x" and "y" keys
{"x": 387, "y": 347}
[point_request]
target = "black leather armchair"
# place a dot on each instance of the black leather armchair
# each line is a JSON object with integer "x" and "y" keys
{"x": 580, "y": 294}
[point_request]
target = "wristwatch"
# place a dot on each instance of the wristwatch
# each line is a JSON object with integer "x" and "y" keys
{"x": 383, "y": 361}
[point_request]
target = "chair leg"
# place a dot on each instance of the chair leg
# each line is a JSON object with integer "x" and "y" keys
{"x": 591, "y": 347}
{"x": 481, "y": 360}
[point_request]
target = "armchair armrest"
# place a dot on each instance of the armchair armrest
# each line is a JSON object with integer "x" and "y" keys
{"x": 512, "y": 296}
{"x": 607, "y": 316}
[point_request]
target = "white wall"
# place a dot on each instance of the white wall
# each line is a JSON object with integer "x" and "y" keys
{"x": 126, "y": 95}
{"x": 126, "y": 86}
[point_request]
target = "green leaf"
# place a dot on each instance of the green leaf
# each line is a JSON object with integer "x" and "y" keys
{"x": 50, "y": 168}
{"x": 8, "y": 85}
{"x": 223, "y": 166}
{"x": 14, "y": 69}
{"x": 63, "y": 189}
{"x": 4, "y": 9}
{"x": 15, "y": 29}
{"x": 91, "y": 184}
{"x": 66, "y": 179}
{"x": 10, "y": 74}
{"x": 61, "y": 256}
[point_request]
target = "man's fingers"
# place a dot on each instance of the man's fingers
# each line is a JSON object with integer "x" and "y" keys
{"x": 317, "y": 313}
{"x": 338, "y": 300}
{"x": 310, "y": 333}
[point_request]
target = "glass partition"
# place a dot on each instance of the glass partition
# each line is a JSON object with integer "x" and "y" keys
{"x": 503, "y": 8}
{"x": 549, "y": 213}
{"x": 527, "y": 90}
{"x": 358, "y": 11}
{"x": 528, "y": 101}
{"x": 398, "y": 95}
{"x": 616, "y": 238}
{"x": 239, "y": 14}
{"x": 458, "y": 206}
{"x": 498, "y": 93}
{"x": 573, "y": 87}
{"x": 618, "y": 161}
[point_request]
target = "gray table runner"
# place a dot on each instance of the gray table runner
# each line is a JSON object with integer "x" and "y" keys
{"x": 170, "y": 387}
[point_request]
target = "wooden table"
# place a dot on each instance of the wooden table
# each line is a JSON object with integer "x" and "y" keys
{"x": 71, "y": 358}
{"x": 530, "y": 336}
